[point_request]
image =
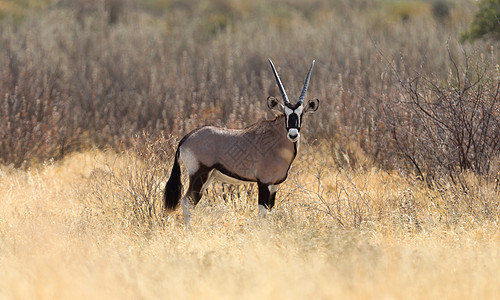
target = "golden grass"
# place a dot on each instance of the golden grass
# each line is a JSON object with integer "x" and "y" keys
{"x": 66, "y": 232}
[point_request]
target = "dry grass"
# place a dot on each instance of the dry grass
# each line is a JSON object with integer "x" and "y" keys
{"x": 68, "y": 230}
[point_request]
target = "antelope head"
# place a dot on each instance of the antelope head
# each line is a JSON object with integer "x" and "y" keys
{"x": 293, "y": 112}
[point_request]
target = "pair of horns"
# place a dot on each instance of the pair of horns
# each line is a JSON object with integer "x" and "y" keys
{"x": 282, "y": 88}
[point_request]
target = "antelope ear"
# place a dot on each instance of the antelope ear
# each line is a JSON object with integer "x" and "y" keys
{"x": 311, "y": 106}
{"x": 274, "y": 105}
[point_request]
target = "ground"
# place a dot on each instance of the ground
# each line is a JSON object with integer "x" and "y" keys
{"x": 75, "y": 229}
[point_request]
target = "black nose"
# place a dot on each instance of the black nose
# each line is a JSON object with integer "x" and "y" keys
{"x": 292, "y": 136}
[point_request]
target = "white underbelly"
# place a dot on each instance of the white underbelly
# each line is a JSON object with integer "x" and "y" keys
{"x": 227, "y": 179}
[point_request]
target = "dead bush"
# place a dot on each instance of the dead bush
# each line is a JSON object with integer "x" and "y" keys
{"x": 447, "y": 128}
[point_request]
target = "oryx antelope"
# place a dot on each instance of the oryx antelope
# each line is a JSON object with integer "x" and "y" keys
{"x": 262, "y": 153}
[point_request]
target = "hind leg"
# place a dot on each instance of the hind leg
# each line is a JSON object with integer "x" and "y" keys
{"x": 197, "y": 184}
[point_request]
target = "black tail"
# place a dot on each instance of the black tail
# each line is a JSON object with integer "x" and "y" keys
{"x": 173, "y": 189}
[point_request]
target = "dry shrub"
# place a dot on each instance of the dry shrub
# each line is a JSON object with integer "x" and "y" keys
{"x": 130, "y": 189}
{"x": 364, "y": 199}
{"x": 445, "y": 128}
{"x": 67, "y": 84}
{"x": 33, "y": 131}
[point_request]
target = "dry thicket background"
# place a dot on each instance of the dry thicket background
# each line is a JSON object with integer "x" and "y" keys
{"x": 395, "y": 192}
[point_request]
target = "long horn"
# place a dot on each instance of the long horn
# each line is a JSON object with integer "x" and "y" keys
{"x": 306, "y": 84}
{"x": 280, "y": 85}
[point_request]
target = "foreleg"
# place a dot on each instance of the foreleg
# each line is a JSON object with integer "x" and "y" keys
{"x": 267, "y": 197}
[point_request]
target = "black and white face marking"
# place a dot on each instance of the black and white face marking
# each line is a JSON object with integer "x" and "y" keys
{"x": 293, "y": 121}
{"x": 293, "y": 113}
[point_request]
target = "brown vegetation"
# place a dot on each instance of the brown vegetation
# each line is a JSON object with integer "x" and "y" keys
{"x": 68, "y": 83}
